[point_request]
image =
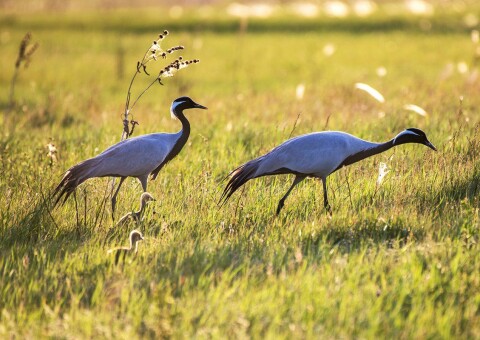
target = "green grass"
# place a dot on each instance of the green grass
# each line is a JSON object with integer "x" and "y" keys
{"x": 399, "y": 261}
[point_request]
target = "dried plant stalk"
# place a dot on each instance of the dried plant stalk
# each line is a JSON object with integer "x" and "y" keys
{"x": 25, "y": 52}
{"x": 154, "y": 53}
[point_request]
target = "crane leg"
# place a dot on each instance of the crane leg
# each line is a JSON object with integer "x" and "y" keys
{"x": 143, "y": 181}
{"x": 114, "y": 197}
{"x": 297, "y": 180}
{"x": 325, "y": 198}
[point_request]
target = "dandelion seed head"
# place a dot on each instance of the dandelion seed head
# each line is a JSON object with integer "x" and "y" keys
{"x": 381, "y": 71}
{"x": 462, "y": 67}
{"x": 382, "y": 172}
{"x": 300, "y": 91}
{"x": 52, "y": 152}
{"x": 329, "y": 49}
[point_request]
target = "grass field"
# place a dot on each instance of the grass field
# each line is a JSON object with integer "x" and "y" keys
{"x": 399, "y": 260}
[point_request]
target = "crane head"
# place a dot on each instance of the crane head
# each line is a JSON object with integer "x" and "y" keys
{"x": 135, "y": 236}
{"x": 184, "y": 103}
{"x": 146, "y": 197}
{"x": 413, "y": 135}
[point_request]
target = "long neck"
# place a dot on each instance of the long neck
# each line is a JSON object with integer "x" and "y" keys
{"x": 184, "y": 134}
{"x": 143, "y": 204}
{"x": 367, "y": 152}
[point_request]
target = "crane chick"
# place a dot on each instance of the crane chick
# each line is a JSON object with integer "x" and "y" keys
{"x": 318, "y": 155}
{"x": 137, "y": 215}
{"x": 135, "y": 237}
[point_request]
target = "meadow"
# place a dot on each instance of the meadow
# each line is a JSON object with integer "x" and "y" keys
{"x": 395, "y": 260}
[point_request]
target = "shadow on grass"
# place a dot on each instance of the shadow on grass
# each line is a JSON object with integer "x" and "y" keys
{"x": 39, "y": 228}
{"x": 261, "y": 255}
{"x": 467, "y": 188}
{"x": 367, "y": 232}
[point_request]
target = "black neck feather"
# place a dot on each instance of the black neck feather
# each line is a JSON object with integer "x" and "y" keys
{"x": 366, "y": 153}
{"x": 185, "y": 133}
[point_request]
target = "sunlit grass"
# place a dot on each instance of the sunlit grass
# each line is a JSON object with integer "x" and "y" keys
{"x": 396, "y": 260}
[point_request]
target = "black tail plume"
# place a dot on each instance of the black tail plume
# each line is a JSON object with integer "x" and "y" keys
{"x": 74, "y": 176}
{"x": 239, "y": 177}
{"x": 65, "y": 188}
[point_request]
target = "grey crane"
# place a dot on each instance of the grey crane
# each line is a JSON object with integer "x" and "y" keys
{"x": 134, "y": 157}
{"x": 318, "y": 155}
{"x": 135, "y": 237}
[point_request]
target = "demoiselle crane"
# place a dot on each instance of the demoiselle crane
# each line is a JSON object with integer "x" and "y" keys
{"x": 135, "y": 237}
{"x": 318, "y": 155}
{"x": 134, "y": 157}
{"x": 137, "y": 215}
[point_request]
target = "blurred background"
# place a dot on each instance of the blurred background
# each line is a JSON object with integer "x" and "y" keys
{"x": 264, "y": 8}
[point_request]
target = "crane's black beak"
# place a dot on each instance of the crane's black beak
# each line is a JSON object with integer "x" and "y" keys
{"x": 430, "y": 145}
{"x": 198, "y": 106}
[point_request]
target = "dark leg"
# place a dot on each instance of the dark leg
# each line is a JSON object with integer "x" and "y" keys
{"x": 297, "y": 180}
{"x": 114, "y": 197}
{"x": 76, "y": 211}
{"x": 143, "y": 181}
{"x": 325, "y": 198}
{"x": 117, "y": 256}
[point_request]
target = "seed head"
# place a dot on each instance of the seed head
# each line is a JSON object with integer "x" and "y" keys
{"x": 25, "y": 51}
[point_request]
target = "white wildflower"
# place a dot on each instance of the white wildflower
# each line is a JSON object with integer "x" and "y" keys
{"x": 462, "y": 67}
{"x": 382, "y": 172}
{"x": 475, "y": 35}
{"x": 300, "y": 91}
{"x": 52, "y": 152}
{"x": 329, "y": 49}
{"x": 381, "y": 71}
